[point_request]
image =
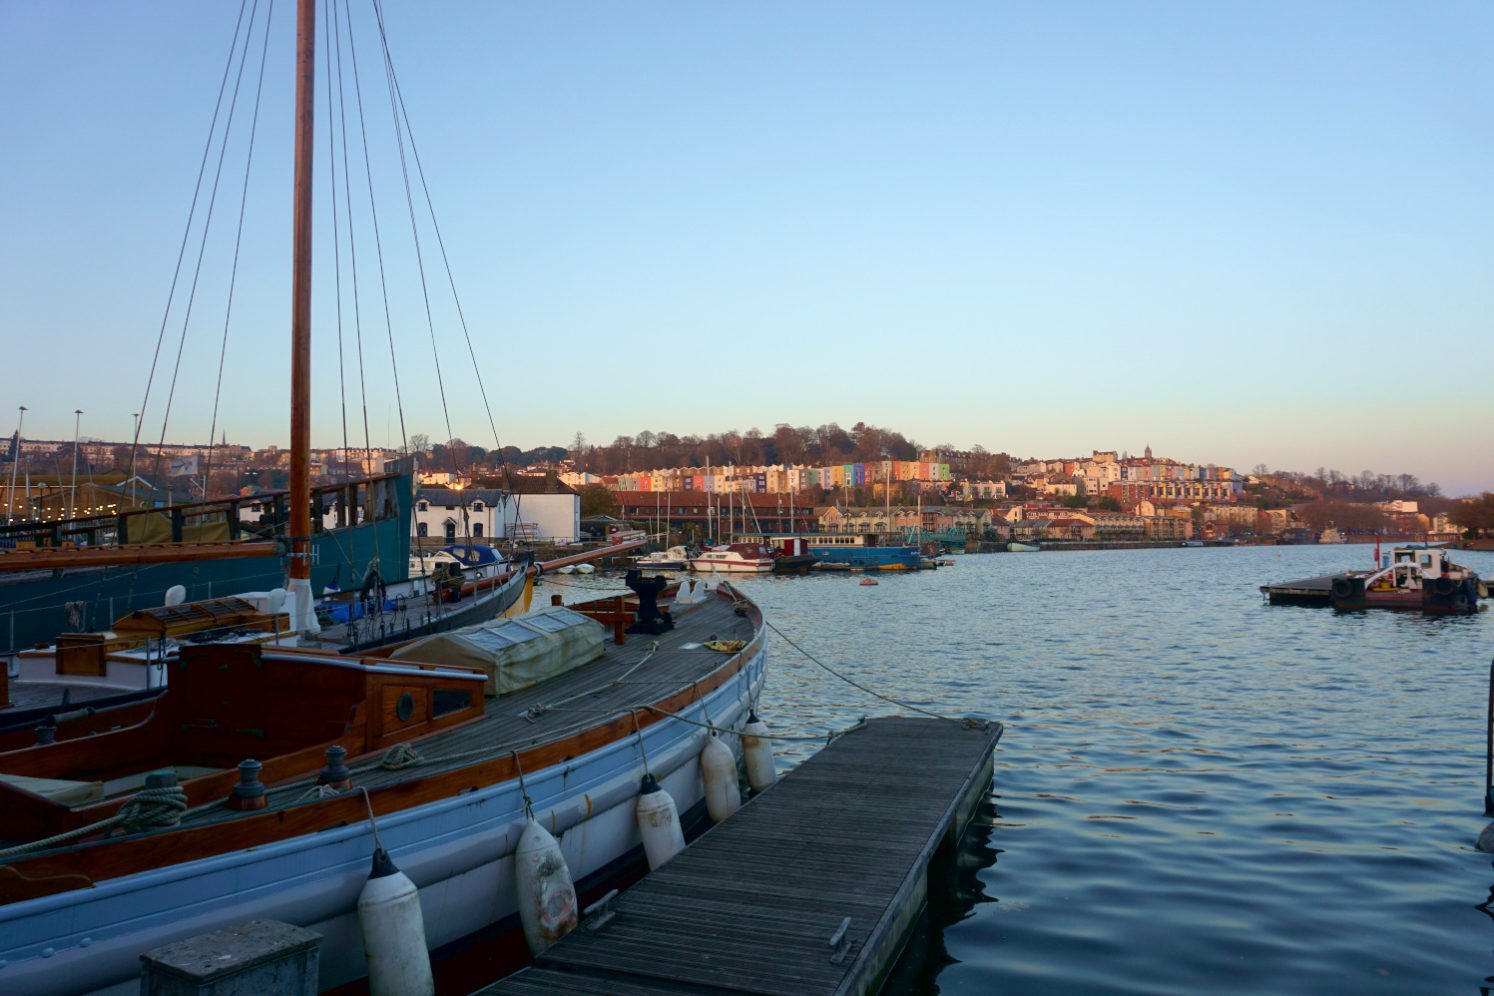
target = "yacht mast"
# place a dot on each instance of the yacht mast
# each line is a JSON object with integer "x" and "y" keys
{"x": 300, "y": 441}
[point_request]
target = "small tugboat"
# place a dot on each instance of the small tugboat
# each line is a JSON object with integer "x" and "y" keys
{"x": 1426, "y": 564}
{"x": 1423, "y": 580}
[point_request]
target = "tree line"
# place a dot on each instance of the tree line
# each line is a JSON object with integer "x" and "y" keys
{"x": 786, "y": 444}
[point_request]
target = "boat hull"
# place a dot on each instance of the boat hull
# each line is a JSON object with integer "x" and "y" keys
{"x": 867, "y": 558}
{"x": 458, "y": 851}
{"x": 732, "y": 566}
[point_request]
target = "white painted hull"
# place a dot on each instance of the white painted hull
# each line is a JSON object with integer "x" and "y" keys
{"x": 732, "y": 566}
{"x": 458, "y": 851}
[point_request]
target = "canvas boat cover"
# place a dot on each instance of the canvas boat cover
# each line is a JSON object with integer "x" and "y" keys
{"x": 516, "y": 653}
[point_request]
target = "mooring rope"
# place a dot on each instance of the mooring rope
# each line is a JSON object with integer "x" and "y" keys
{"x": 964, "y": 721}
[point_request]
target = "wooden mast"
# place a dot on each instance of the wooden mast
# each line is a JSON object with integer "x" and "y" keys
{"x": 303, "y": 611}
{"x": 300, "y": 441}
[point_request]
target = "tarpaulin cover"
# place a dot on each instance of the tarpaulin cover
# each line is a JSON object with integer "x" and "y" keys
{"x": 516, "y": 653}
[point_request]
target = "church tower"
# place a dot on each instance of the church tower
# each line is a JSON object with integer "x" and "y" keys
{"x": 1148, "y": 453}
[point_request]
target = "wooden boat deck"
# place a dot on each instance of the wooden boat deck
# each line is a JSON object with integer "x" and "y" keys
{"x": 505, "y": 725}
{"x": 752, "y": 905}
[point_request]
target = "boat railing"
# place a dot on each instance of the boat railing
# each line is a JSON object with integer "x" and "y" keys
{"x": 264, "y": 515}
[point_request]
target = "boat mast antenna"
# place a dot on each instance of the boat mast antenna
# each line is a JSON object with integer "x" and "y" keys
{"x": 300, "y": 441}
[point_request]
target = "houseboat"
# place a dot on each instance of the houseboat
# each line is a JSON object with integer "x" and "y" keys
{"x": 862, "y": 552}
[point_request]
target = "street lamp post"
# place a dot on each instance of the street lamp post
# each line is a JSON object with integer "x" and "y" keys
{"x": 72, "y": 498}
{"x": 15, "y": 463}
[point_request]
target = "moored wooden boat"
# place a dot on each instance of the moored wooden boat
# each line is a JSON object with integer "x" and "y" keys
{"x": 442, "y": 771}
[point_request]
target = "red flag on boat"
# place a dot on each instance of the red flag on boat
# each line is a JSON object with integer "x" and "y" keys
{"x": 1377, "y": 549}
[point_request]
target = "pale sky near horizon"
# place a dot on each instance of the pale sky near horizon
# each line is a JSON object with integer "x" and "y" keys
{"x": 1240, "y": 233}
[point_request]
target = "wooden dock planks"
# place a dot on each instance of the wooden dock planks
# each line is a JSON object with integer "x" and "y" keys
{"x": 750, "y": 907}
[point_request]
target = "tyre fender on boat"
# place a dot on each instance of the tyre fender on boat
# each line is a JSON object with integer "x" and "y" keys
{"x": 393, "y": 932}
{"x": 547, "y": 898}
{"x": 1342, "y": 588}
{"x": 718, "y": 769}
{"x": 757, "y": 752}
{"x": 658, "y": 823}
{"x": 1444, "y": 586}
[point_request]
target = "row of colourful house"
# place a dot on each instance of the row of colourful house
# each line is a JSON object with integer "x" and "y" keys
{"x": 781, "y": 479}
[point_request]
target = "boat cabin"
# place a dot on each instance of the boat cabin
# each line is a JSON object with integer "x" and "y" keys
{"x": 227, "y": 703}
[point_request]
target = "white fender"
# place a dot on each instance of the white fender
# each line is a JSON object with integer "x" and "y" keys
{"x": 757, "y": 752}
{"x": 393, "y": 933}
{"x": 658, "y": 824}
{"x": 547, "y": 899}
{"x": 718, "y": 769}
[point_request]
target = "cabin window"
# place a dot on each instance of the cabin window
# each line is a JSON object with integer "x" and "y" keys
{"x": 450, "y": 700}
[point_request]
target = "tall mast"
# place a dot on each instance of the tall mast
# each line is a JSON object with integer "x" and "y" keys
{"x": 300, "y": 441}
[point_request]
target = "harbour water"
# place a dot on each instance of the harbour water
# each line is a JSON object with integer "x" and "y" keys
{"x": 1196, "y": 791}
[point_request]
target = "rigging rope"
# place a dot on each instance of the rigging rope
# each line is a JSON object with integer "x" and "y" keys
{"x": 347, "y": 193}
{"x": 402, "y": 111}
{"x": 348, "y": 553}
{"x": 404, "y": 169}
{"x": 440, "y": 240}
{"x": 181, "y": 253}
{"x": 378, "y": 240}
{"x": 207, "y": 224}
{"x": 238, "y": 241}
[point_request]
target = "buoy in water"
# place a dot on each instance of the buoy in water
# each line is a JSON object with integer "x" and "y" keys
{"x": 718, "y": 769}
{"x": 547, "y": 899}
{"x": 393, "y": 932}
{"x": 868, "y": 581}
{"x": 658, "y": 824}
{"x": 757, "y": 753}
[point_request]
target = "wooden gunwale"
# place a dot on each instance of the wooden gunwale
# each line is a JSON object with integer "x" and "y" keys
{"x": 101, "y": 860}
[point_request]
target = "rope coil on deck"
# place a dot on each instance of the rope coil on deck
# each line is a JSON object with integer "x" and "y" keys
{"x": 149, "y": 809}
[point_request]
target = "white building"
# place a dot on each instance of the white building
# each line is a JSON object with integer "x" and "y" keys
{"x": 477, "y": 514}
{"x": 550, "y": 514}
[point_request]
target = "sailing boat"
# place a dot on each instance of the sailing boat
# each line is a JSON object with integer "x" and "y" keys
{"x": 265, "y": 777}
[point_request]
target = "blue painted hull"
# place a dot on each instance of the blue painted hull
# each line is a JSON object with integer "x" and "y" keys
{"x": 33, "y": 609}
{"x": 869, "y": 558}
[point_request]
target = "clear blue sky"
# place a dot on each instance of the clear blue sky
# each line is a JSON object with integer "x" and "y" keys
{"x": 1241, "y": 233}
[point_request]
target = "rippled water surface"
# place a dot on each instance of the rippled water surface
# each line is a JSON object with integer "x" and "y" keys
{"x": 1195, "y": 790}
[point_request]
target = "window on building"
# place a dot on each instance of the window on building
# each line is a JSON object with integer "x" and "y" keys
{"x": 477, "y": 529}
{"x": 422, "y": 529}
{"x": 450, "y": 530}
